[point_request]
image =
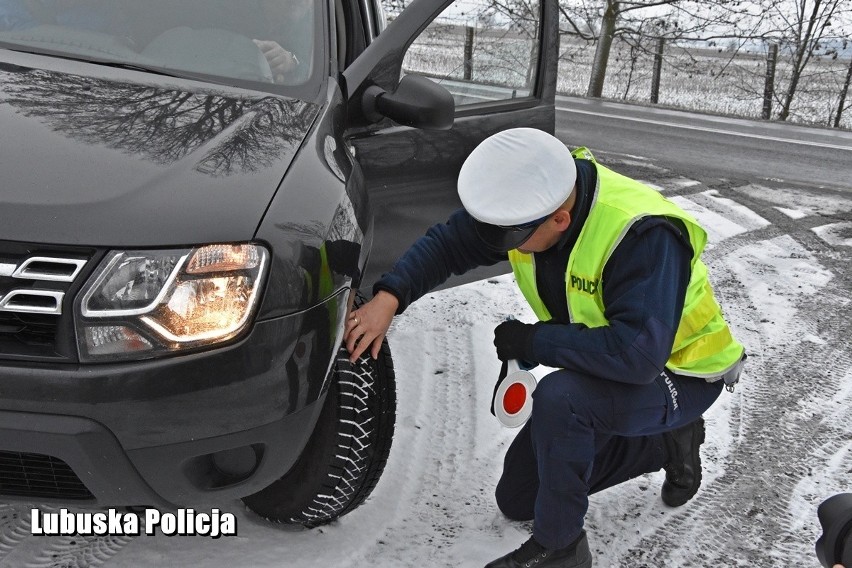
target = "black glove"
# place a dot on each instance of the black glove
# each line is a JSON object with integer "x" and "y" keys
{"x": 512, "y": 339}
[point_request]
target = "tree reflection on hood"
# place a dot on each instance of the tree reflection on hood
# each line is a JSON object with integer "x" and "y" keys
{"x": 232, "y": 135}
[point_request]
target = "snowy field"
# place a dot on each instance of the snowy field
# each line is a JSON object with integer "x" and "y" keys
{"x": 776, "y": 447}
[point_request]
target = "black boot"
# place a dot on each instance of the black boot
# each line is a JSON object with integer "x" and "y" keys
{"x": 531, "y": 553}
{"x": 683, "y": 465}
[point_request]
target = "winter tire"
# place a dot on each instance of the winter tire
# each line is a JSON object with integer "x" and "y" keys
{"x": 347, "y": 452}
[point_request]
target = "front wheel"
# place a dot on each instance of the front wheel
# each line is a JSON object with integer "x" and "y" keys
{"x": 347, "y": 452}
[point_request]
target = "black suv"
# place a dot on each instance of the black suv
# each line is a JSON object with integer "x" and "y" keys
{"x": 187, "y": 195}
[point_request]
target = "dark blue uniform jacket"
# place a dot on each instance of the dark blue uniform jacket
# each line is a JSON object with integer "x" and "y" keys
{"x": 644, "y": 286}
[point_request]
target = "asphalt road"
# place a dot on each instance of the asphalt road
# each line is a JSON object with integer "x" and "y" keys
{"x": 705, "y": 147}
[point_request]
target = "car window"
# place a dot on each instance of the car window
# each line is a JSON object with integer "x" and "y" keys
{"x": 270, "y": 41}
{"x": 480, "y": 50}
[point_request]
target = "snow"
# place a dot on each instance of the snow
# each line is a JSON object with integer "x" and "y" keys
{"x": 718, "y": 226}
{"x": 826, "y": 203}
{"x": 792, "y": 213}
{"x": 837, "y": 234}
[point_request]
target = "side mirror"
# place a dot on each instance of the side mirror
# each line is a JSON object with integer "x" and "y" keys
{"x": 416, "y": 101}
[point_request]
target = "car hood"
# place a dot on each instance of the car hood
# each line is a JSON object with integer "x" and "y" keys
{"x": 132, "y": 159}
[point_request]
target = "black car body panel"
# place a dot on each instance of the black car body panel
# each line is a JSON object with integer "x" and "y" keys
{"x": 277, "y": 369}
{"x": 99, "y": 158}
{"x": 320, "y": 216}
{"x": 127, "y": 161}
{"x": 169, "y": 416}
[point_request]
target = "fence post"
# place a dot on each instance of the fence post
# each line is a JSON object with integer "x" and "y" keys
{"x": 468, "y": 53}
{"x": 658, "y": 70}
{"x": 769, "y": 86}
{"x": 845, "y": 90}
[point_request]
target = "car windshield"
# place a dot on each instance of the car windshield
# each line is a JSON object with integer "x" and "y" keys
{"x": 236, "y": 41}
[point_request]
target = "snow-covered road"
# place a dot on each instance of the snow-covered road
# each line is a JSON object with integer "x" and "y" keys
{"x": 776, "y": 447}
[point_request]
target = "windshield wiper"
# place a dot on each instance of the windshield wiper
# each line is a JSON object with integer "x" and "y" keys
{"x": 148, "y": 69}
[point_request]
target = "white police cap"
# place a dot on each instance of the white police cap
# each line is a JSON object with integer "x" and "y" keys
{"x": 516, "y": 176}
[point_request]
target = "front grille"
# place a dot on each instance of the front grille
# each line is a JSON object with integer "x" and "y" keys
{"x": 36, "y": 286}
{"x": 40, "y": 476}
{"x": 28, "y": 330}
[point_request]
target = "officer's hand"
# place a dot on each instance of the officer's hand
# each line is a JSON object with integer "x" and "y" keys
{"x": 368, "y": 325}
{"x": 511, "y": 339}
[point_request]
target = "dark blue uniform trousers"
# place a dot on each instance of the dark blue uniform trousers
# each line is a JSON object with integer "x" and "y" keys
{"x": 587, "y": 434}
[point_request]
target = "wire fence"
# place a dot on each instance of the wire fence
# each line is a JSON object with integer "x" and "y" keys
{"x": 709, "y": 80}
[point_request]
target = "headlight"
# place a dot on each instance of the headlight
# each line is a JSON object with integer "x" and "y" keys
{"x": 142, "y": 303}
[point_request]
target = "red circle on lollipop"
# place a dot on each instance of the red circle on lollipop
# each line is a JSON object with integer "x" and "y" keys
{"x": 515, "y": 398}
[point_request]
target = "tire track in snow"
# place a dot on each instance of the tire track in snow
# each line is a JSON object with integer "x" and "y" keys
{"x": 453, "y": 495}
{"x": 14, "y": 529}
{"x": 457, "y": 488}
{"x": 19, "y": 548}
{"x": 444, "y": 445}
{"x": 749, "y": 505}
{"x": 448, "y": 443}
{"x": 78, "y": 552}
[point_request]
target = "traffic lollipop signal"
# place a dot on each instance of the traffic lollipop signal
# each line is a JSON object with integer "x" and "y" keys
{"x": 512, "y": 400}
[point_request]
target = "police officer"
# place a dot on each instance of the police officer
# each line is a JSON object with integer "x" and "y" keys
{"x": 626, "y": 314}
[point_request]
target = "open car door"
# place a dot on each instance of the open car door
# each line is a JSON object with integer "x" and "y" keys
{"x": 498, "y": 62}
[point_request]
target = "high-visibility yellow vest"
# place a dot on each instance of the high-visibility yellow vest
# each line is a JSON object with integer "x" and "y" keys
{"x": 703, "y": 345}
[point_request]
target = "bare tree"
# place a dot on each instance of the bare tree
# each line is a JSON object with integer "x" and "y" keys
{"x": 842, "y": 105}
{"x": 803, "y": 28}
{"x": 616, "y": 20}
{"x": 164, "y": 125}
{"x": 638, "y": 21}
